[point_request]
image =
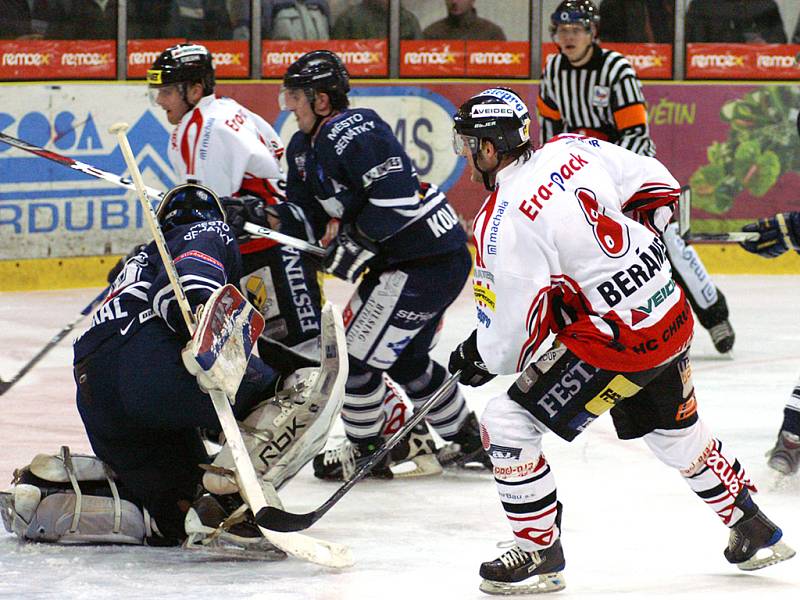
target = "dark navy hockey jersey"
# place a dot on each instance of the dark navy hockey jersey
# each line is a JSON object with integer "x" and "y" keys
{"x": 206, "y": 257}
{"x": 356, "y": 170}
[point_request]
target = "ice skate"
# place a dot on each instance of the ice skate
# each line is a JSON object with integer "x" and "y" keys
{"x": 784, "y": 457}
{"x": 755, "y": 541}
{"x": 214, "y": 529}
{"x": 339, "y": 463}
{"x": 521, "y": 572}
{"x": 465, "y": 449}
{"x": 415, "y": 454}
{"x": 723, "y": 336}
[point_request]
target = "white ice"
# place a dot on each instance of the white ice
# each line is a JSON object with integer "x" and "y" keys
{"x": 631, "y": 526}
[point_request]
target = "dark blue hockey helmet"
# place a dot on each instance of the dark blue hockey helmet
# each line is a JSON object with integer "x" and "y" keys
{"x": 189, "y": 203}
{"x": 575, "y": 12}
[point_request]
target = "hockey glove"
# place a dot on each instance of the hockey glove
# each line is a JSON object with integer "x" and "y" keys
{"x": 776, "y": 235}
{"x": 244, "y": 209}
{"x": 349, "y": 254}
{"x": 467, "y": 359}
{"x": 117, "y": 268}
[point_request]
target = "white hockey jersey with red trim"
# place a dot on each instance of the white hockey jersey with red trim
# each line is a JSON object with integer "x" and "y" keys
{"x": 559, "y": 248}
{"x": 223, "y": 145}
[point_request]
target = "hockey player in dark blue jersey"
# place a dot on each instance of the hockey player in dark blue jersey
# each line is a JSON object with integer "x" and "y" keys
{"x": 142, "y": 409}
{"x": 348, "y": 174}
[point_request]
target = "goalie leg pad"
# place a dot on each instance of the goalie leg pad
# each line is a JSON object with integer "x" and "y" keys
{"x": 48, "y": 504}
{"x": 285, "y": 432}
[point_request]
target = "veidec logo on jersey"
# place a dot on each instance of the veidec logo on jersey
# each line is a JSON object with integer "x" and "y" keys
{"x": 530, "y": 207}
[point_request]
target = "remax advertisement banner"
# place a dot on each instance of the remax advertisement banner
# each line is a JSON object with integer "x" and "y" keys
{"x": 737, "y": 146}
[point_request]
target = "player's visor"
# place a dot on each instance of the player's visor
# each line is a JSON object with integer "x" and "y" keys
{"x": 289, "y": 98}
{"x": 461, "y": 141}
{"x": 162, "y": 90}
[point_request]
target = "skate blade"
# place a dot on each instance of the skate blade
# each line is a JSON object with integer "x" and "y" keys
{"x": 770, "y": 556}
{"x": 547, "y": 582}
{"x": 422, "y": 465}
{"x": 219, "y": 548}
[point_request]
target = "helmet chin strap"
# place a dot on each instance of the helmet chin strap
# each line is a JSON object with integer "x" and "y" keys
{"x": 488, "y": 175}
{"x": 312, "y": 95}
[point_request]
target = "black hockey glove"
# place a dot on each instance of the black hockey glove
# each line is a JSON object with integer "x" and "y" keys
{"x": 776, "y": 235}
{"x": 467, "y": 359}
{"x": 244, "y": 209}
{"x": 349, "y": 254}
{"x": 117, "y": 268}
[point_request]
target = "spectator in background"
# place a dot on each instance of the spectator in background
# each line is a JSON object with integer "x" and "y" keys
{"x": 463, "y": 23}
{"x": 735, "y": 21}
{"x": 370, "y": 20}
{"x": 200, "y": 20}
{"x": 80, "y": 19}
{"x": 142, "y": 21}
{"x": 796, "y": 36}
{"x": 638, "y": 21}
{"x": 295, "y": 19}
{"x": 15, "y": 20}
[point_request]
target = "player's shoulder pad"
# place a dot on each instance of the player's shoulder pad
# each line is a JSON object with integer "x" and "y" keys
{"x": 348, "y": 126}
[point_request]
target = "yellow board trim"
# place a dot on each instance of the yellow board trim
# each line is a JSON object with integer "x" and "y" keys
{"x": 90, "y": 271}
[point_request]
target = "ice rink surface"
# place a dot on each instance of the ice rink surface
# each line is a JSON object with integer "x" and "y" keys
{"x": 631, "y": 526}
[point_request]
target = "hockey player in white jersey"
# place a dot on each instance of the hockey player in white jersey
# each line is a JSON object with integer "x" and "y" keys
{"x": 219, "y": 143}
{"x": 567, "y": 243}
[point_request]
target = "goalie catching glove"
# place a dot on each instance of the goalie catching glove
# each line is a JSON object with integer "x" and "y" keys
{"x": 775, "y": 235}
{"x": 467, "y": 359}
{"x": 349, "y": 255}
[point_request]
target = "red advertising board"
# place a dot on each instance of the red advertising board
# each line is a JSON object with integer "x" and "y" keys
{"x": 363, "y": 58}
{"x": 742, "y": 61}
{"x": 58, "y": 59}
{"x": 231, "y": 57}
{"x": 458, "y": 58}
{"x": 651, "y": 61}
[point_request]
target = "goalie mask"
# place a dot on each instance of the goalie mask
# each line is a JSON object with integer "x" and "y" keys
{"x": 189, "y": 203}
{"x": 498, "y": 115}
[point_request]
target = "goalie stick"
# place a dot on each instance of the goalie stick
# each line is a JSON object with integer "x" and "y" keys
{"x": 153, "y": 193}
{"x": 684, "y": 224}
{"x": 304, "y": 547}
{"x": 5, "y": 385}
{"x": 276, "y": 519}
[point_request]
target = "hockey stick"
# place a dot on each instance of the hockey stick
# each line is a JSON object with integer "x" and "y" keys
{"x": 5, "y": 385}
{"x": 276, "y": 519}
{"x": 153, "y": 193}
{"x": 304, "y": 547}
{"x": 77, "y": 165}
{"x": 684, "y": 225}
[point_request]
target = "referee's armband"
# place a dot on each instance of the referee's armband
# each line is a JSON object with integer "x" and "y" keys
{"x": 634, "y": 115}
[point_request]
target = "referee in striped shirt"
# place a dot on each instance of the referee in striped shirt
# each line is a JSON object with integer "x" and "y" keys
{"x": 594, "y": 91}
{"x": 588, "y": 89}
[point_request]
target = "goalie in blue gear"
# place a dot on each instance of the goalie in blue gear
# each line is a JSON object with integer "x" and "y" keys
{"x": 142, "y": 410}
